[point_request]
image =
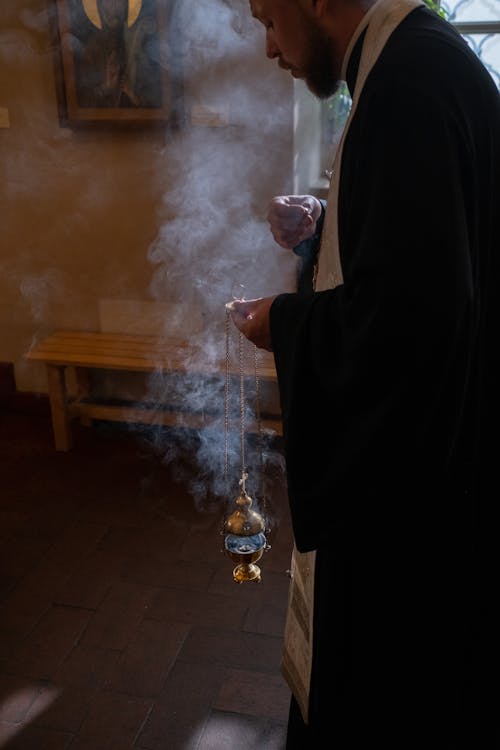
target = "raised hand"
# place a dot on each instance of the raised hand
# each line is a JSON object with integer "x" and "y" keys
{"x": 293, "y": 218}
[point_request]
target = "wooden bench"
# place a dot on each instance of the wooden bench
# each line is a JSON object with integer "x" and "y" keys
{"x": 83, "y": 352}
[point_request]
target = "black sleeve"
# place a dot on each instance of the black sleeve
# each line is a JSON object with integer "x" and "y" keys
{"x": 364, "y": 369}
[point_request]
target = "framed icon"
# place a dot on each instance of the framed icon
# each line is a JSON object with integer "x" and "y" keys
{"x": 115, "y": 61}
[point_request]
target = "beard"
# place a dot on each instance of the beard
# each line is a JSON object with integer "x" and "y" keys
{"x": 321, "y": 72}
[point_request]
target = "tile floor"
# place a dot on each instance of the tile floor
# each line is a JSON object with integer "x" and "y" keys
{"x": 120, "y": 625}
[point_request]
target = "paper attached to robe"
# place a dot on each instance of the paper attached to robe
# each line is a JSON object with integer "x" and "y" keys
{"x": 380, "y": 21}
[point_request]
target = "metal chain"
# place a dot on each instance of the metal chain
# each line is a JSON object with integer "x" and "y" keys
{"x": 242, "y": 407}
{"x": 242, "y": 404}
{"x": 226, "y": 400}
{"x": 260, "y": 435}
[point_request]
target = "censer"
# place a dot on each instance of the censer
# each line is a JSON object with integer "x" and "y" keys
{"x": 244, "y": 529}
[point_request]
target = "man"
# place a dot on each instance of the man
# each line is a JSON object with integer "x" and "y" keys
{"x": 388, "y": 370}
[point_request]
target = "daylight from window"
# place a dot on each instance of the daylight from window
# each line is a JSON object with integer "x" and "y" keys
{"x": 479, "y": 23}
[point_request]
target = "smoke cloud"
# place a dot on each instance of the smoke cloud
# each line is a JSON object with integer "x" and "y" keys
{"x": 214, "y": 242}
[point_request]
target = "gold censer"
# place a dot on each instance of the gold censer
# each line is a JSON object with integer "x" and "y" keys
{"x": 245, "y": 538}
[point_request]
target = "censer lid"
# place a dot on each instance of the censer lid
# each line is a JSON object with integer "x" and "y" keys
{"x": 244, "y": 521}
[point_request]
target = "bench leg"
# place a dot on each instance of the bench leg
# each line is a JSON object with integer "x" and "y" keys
{"x": 59, "y": 407}
{"x": 83, "y": 391}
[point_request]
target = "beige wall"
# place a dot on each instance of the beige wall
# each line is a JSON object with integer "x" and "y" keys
{"x": 93, "y": 219}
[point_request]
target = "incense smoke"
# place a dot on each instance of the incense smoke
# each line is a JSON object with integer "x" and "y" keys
{"x": 215, "y": 237}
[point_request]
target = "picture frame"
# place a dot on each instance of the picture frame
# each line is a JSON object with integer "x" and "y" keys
{"x": 116, "y": 62}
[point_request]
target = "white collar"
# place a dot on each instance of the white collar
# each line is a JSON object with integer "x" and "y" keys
{"x": 357, "y": 33}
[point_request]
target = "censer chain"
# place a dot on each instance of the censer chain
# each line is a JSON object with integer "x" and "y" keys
{"x": 242, "y": 407}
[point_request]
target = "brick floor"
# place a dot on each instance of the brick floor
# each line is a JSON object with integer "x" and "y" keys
{"x": 120, "y": 625}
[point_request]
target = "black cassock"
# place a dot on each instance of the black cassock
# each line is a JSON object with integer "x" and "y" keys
{"x": 389, "y": 394}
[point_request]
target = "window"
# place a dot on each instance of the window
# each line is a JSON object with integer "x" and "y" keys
{"x": 321, "y": 123}
{"x": 479, "y": 23}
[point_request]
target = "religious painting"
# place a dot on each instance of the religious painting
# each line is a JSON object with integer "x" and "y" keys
{"x": 114, "y": 60}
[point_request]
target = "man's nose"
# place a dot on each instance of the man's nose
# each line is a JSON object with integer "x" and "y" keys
{"x": 272, "y": 50}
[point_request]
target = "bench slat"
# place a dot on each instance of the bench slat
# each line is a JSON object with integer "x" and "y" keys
{"x": 164, "y": 417}
{"x": 145, "y": 354}
{"x": 105, "y": 342}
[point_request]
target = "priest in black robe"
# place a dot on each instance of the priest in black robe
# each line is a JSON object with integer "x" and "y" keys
{"x": 388, "y": 369}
